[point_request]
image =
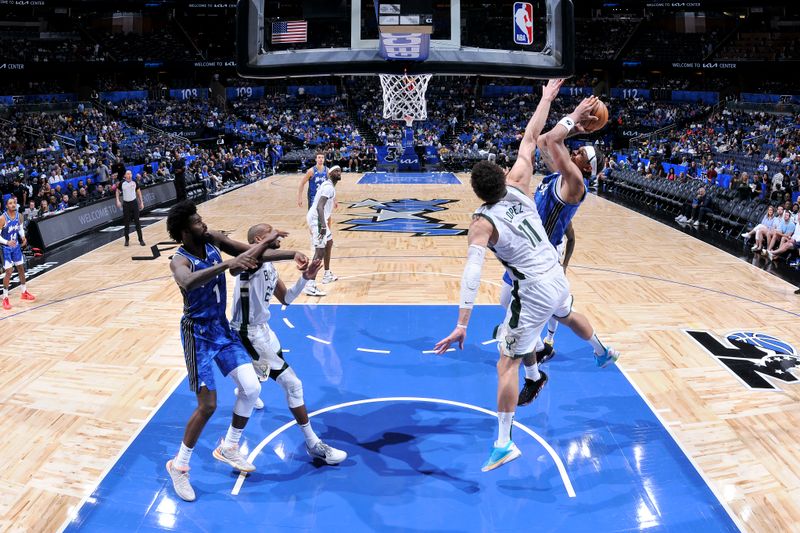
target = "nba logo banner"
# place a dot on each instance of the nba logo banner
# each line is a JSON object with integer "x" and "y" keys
{"x": 523, "y": 23}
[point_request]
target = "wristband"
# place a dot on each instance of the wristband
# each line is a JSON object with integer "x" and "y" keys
{"x": 462, "y": 326}
{"x": 567, "y": 123}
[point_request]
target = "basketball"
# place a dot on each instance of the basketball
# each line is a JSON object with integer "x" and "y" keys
{"x": 601, "y": 112}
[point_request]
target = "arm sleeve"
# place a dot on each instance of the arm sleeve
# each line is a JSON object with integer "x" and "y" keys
{"x": 2, "y": 240}
{"x": 471, "y": 279}
{"x": 21, "y": 232}
{"x": 295, "y": 291}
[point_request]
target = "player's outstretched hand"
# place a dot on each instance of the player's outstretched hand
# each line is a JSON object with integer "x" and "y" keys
{"x": 275, "y": 234}
{"x": 242, "y": 262}
{"x": 550, "y": 91}
{"x": 457, "y": 335}
{"x": 583, "y": 112}
{"x": 301, "y": 260}
{"x": 312, "y": 269}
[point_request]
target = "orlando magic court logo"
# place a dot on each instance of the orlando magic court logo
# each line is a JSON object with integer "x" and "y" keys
{"x": 752, "y": 357}
{"x": 406, "y": 215}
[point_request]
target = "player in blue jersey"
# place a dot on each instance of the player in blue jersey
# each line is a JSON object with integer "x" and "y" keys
{"x": 557, "y": 199}
{"x": 199, "y": 271}
{"x": 12, "y": 239}
{"x": 315, "y": 176}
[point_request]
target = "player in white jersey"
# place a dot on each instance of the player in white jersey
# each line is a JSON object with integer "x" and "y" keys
{"x": 318, "y": 219}
{"x": 251, "y": 298}
{"x": 508, "y": 224}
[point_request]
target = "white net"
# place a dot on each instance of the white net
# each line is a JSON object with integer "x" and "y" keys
{"x": 404, "y": 96}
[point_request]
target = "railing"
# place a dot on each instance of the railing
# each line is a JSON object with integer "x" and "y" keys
{"x": 156, "y": 131}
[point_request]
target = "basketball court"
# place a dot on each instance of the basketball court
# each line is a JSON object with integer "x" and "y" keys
{"x": 671, "y": 438}
{"x": 695, "y": 428}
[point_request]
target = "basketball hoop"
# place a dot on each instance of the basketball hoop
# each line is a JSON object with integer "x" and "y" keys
{"x": 404, "y": 96}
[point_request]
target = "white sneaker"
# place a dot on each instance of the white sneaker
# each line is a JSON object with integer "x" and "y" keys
{"x": 312, "y": 290}
{"x": 754, "y": 248}
{"x": 234, "y": 458}
{"x": 329, "y": 277}
{"x": 745, "y": 235}
{"x": 696, "y": 223}
{"x": 180, "y": 482}
{"x": 259, "y": 402}
{"x": 326, "y": 453}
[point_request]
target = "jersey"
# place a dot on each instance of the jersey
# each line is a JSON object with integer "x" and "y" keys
{"x": 206, "y": 301}
{"x": 554, "y": 212}
{"x": 317, "y": 178}
{"x": 11, "y": 229}
{"x": 328, "y": 191}
{"x": 520, "y": 244}
{"x": 252, "y": 293}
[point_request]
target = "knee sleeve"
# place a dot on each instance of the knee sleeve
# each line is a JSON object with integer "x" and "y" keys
{"x": 292, "y": 386}
{"x": 249, "y": 388}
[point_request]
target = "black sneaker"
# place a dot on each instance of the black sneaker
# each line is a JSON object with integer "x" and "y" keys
{"x": 141, "y": 243}
{"x": 797, "y": 291}
{"x": 545, "y": 354}
{"x": 127, "y": 243}
{"x": 531, "y": 389}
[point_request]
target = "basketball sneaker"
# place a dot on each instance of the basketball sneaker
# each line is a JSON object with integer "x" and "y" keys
{"x": 531, "y": 389}
{"x": 233, "y": 457}
{"x": 608, "y": 358}
{"x": 326, "y": 453}
{"x": 180, "y": 482}
{"x": 312, "y": 290}
{"x": 6, "y": 304}
{"x": 501, "y": 455}
{"x": 546, "y": 353}
{"x": 329, "y": 277}
{"x": 27, "y": 296}
{"x": 259, "y": 402}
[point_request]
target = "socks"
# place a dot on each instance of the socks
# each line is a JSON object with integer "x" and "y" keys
{"x": 232, "y": 437}
{"x": 532, "y": 372}
{"x": 181, "y": 461}
{"x": 308, "y": 433}
{"x": 504, "y": 421}
{"x": 597, "y": 346}
{"x": 552, "y": 325}
{"x": 5, "y": 292}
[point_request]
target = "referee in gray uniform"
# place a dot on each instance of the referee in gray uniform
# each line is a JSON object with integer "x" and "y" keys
{"x": 132, "y": 202}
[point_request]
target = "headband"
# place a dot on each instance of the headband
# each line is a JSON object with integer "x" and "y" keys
{"x": 592, "y": 155}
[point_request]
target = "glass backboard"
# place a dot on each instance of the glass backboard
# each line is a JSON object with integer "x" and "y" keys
{"x": 320, "y": 37}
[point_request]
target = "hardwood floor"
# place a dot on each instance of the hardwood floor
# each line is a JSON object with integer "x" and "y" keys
{"x": 86, "y": 364}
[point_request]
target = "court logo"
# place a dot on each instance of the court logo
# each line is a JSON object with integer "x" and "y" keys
{"x": 752, "y": 357}
{"x": 406, "y": 215}
{"x": 523, "y": 23}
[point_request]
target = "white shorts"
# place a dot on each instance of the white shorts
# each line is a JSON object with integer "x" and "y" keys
{"x": 319, "y": 240}
{"x": 533, "y": 302}
{"x": 262, "y": 342}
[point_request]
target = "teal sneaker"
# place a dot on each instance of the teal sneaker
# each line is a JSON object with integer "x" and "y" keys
{"x": 608, "y": 358}
{"x": 502, "y": 455}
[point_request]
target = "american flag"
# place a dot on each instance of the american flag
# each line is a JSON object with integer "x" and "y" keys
{"x": 294, "y": 31}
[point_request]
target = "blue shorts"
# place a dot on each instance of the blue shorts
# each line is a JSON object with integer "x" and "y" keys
{"x": 12, "y": 256}
{"x": 206, "y": 340}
